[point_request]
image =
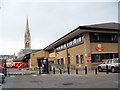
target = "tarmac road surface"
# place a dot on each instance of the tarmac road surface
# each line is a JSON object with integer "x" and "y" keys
{"x": 62, "y": 81}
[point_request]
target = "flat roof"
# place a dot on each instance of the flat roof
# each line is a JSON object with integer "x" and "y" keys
{"x": 103, "y": 27}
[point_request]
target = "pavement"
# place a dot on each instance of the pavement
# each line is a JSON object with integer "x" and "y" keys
{"x": 25, "y": 78}
{"x": 62, "y": 81}
{"x": 0, "y": 86}
{"x": 15, "y": 71}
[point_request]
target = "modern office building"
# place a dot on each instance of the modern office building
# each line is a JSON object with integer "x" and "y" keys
{"x": 87, "y": 45}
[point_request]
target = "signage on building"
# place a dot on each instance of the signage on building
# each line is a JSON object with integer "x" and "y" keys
{"x": 88, "y": 57}
{"x": 103, "y": 60}
{"x": 99, "y": 48}
{"x": 89, "y": 61}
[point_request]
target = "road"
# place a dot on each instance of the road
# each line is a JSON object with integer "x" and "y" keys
{"x": 62, "y": 81}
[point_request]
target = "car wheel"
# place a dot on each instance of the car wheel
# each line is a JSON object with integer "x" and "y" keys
{"x": 113, "y": 70}
{"x": 100, "y": 69}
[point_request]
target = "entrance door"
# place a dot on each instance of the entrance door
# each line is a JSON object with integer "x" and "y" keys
{"x": 43, "y": 65}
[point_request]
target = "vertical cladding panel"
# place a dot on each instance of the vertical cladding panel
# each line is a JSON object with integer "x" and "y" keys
{"x": 33, "y": 60}
{"x": 87, "y": 48}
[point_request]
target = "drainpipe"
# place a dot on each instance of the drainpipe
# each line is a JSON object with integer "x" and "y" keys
{"x": 119, "y": 45}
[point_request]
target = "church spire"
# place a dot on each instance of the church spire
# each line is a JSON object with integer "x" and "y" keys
{"x": 27, "y": 37}
{"x": 27, "y": 24}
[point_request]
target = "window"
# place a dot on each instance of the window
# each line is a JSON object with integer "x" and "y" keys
{"x": 81, "y": 59}
{"x": 113, "y": 37}
{"x": 96, "y": 36}
{"x": 62, "y": 61}
{"x": 77, "y": 39}
{"x": 74, "y": 41}
{"x": 103, "y": 37}
{"x": 67, "y": 43}
{"x": 68, "y": 60}
{"x": 101, "y": 57}
{"x": 80, "y": 39}
{"x": 61, "y": 47}
{"x": 64, "y": 45}
{"x": 57, "y": 48}
{"x": 70, "y": 43}
{"x": 96, "y": 58}
{"x": 58, "y": 61}
{"x": 77, "y": 59}
{"x": 109, "y": 61}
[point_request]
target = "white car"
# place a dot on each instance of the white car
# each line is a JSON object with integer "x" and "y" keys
{"x": 112, "y": 64}
{"x": 2, "y": 78}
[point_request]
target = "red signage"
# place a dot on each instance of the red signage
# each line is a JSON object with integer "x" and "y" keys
{"x": 99, "y": 48}
{"x": 89, "y": 55}
{"x": 103, "y": 60}
{"x": 89, "y": 60}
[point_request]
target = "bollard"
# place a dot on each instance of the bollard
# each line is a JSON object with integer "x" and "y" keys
{"x": 60, "y": 71}
{"x": 39, "y": 70}
{"x": 96, "y": 71}
{"x": 85, "y": 69}
{"x": 76, "y": 71}
{"x": 107, "y": 72}
{"x": 54, "y": 70}
{"x": 68, "y": 70}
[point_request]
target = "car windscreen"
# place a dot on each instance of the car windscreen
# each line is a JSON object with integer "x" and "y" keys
{"x": 117, "y": 60}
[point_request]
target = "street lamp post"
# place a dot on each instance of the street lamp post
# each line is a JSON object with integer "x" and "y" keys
{"x": 5, "y": 67}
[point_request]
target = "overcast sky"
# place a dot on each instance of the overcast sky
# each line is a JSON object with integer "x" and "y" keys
{"x": 48, "y": 21}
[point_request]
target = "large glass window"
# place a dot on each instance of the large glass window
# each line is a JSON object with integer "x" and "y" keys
{"x": 103, "y": 37}
{"x": 101, "y": 57}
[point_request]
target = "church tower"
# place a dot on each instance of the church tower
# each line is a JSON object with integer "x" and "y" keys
{"x": 27, "y": 37}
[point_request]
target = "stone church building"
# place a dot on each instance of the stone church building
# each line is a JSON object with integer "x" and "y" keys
{"x": 27, "y": 42}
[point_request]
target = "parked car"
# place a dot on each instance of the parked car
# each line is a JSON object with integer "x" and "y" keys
{"x": 2, "y": 78}
{"x": 112, "y": 64}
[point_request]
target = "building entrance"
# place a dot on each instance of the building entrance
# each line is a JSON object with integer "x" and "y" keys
{"x": 43, "y": 65}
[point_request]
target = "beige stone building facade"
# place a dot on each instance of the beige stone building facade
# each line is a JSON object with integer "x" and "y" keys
{"x": 87, "y": 45}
